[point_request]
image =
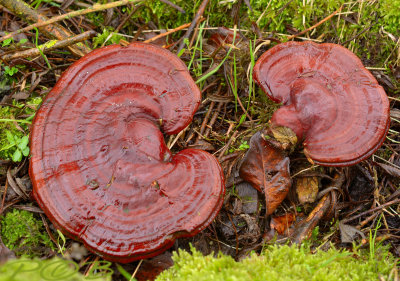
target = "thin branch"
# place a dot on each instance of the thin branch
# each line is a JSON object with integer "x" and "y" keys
{"x": 94, "y": 8}
{"x": 196, "y": 18}
{"x": 167, "y": 33}
{"x": 54, "y": 31}
{"x": 45, "y": 48}
{"x": 173, "y": 6}
{"x": 372, "y": 210}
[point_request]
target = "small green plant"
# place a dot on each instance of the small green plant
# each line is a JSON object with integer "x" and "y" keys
{"x": 24, "y": 234}
{"x": 37, "y": 3}
{"x": 61, "y": 248}
{"x": 10, "y": 71}
{"x": 243, "y": 146}
{"x": 7, "y": 42}
{"x": 20, "y": 145}
{"x": 108, "y": 37}
{"x": 13, "y": 141}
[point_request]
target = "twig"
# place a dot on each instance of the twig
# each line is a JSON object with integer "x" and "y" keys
{"x": 167, "y": 33}
{"x": 236, "y": 234}
{"x": 213, "y": 119}
{"x": 170, "y": 146}
{"x": 55, "y": 31}
{"x": 316, "y": 25}
{"x": 94, "y": 8}
{"x": 203, "y": 125}
{"x": 228, "y": 144}
{"x": 123, "y": 21}
{"x": 136, "y": 270}
{"x": 229, "y": 156}
{"x": 196, "y": 18}
{"x": 372, "y": 210}
{"x": 4, "y": 197}
{"x": 46, "y": 226}
{"x": 173, "y": 6}
{"x": 358, "y": 34}
{"x": 49, "y": 46}
{"x": 88, "y": 270}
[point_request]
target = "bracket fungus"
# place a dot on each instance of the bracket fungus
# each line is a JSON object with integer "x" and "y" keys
{"x": 100, "y": 168}
{"x": 330, "y": 102}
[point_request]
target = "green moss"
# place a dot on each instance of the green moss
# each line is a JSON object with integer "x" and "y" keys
{"x": 52, "y": 269}
{"x": 390, "y": 16}
{"x": 280, "y": 263}
{"x": 24, "y": 234}
{"x": 7, "y": 129}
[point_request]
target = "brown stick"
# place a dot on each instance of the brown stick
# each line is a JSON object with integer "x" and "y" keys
{"x": 4, "y": 197}
{"x": 373, "y": 210}
{"x": 55, "y": 31}
{"x": 167, "y": 33}
{"x": 303, "y": 229}
{"x": 126, "y": 18}
{"x": 316, "y": 25}
{"x": 205, "y": 120}
{"x": 196, "y": 18}
{"x": 227, "y": 145}
{"x": 45, "y": 48}
{"x": 41, "y": 22}
{"x": 213, "y": 119}
{"x": 176, "y": 7}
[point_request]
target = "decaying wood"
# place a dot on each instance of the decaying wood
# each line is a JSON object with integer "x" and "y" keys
{"x": 49, "y": 46}
{"x": 43, "y": 21}
{"x": 54, "y": 31}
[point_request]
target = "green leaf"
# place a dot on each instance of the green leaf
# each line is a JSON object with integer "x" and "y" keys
{"x": 6, "y": 42}
{"x": 17, "y": 156}
{"x": 24, "y": 142}
{"x": 181, "y": 52}
{"x": 10, "y": 138}
{"x": 23, "y": 41}
{"x": 124, "y": 273}
{"x": 25, "y": 151}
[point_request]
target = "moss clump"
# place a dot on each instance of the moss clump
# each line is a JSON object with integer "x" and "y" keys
{"x": 279, "y": 263}
{"x": 24, "y": 234}
{"x": 52, "y": 269}
{"x": 389, "y": 11}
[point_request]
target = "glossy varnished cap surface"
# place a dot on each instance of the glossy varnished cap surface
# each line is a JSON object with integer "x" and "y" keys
{"x": 329, "y": 99}
{"x": 100, "y": 168}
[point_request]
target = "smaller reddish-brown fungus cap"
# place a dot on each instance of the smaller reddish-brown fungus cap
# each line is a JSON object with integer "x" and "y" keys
{"x": 330, "y": 100}
{"x": 100, "y": 168}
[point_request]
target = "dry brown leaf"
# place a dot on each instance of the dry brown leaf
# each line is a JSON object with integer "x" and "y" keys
{"x": 267, "y": 169}
{"x": 282, "y": 223}
{"x": 348, "y": 233}
{"x": 285, "y": 136}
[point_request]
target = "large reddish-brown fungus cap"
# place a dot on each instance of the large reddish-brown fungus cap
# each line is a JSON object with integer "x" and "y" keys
{"x": 100, "y": 168}
{"x": 329, "y": 100}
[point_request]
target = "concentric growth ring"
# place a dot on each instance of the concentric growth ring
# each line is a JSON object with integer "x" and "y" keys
{"x": 100, "y": 168}
{"x": 330, "y": 100}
